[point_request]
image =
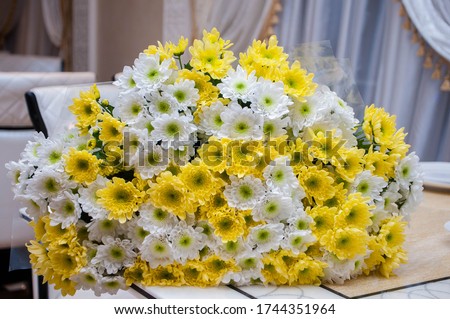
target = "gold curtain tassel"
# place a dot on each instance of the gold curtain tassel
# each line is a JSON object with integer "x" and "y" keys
{"x": 428, "y": 63}
{"x": 402, "y": 11}
{"x": 274, "y": 20}
{"x": 407, "y": 24}
{"x": 278, "y": 7}
{"x": 421, "y": 50}
{"x": 436, "y": 75}
{"x": 446, "y": 84}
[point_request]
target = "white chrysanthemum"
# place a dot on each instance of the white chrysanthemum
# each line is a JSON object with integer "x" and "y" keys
{"x": 300, "y": 221}
{"x": 111, "y": 285}
{"x": 169, "y": 129}
{"x": 240, "y": 123}
{"x": 34, "y": 207}
{"x": 89, "y": 200}
{"x": 48, "y": 183}
{"x": 298, "y": 240}
{"x": 156, "y": 250}
{"x": 30, "y": 153}
{"x": 340, "y": 270}
{"x": 184, "y": 92}
{"x": 162, "y": 104}
{"x": 333, "y": 108}
{"x": 153, "y": 218}
{"x": 114, "y": 254}
{"x": 211, "y": 241}
{"x": 280, "y": 177}
{"x": 64, "y": 210}
{"x": 233, "y": 249}
{"x": 413, "y": 197}
{"x": 379, "y": 214}
{"x": 151, "y": 161}
{"x": 150, "y": 73}
{"x": 144, "y": 123}
{"x": 269, "y": 99}
{"x": 297, "y": 194}
{"x": 244, "y": 193}
{"x": 301, "y": 115}
{"x": 135, "y": 232}
{"x": 88, "y": 278}
{"x": 50, "y": 153}
{"x": 125, "y": 81}
{"x": 275, "y": 127}
{"x": 369, "y": 185}
{"x": 18, "y": 173}
{"x": 133, "y": 144}
{"x": 186, "y": 242}
{"x": 210, "y": 119}
{"x": 273, "y": 208}
{"x": 266, "y": 237}
{"x": 408, "y": 171}
{"x": 130, "y": 107}
{"x": 251, "y": 265}
{"x": 390, "y": 197}
{"x": 100, "y": 228}
{"x": 238, "y": 85}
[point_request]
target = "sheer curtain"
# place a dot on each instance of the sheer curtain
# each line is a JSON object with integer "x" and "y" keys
{"x": 385, "y": 65}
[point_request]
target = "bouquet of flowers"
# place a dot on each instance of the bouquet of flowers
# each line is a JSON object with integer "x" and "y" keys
{"x": 204, "y": 173}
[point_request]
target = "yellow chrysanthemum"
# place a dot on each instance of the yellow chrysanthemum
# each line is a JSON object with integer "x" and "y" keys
{"x": 67, "y": 262}
{"x": 265, "y": 59}
{"x": 345, "y": 243}
{"x": 179, "y": 48}
{"x": 246, "y": 158}
{"x": 355, "y": 212}
{"x": 391, "y": 235}
{"x": 216, "y": 268}
{"x": 114, "y": 157}
{"x": 214, "y": 153}
{"x": 297, "y": 82}
{"x": 228, "y": 224}
{"x": 120, "y": 198}
{"x": 170, "y": 275}
{"x": 163, "y": 51}
{"x": 67, "y": 286}
{"x": 216, "y": 203}
{"x": 136, "y": 272}
{"x": 86, "y": 107}
{"x": 379, "y": 126}
{"x": 170, "y": 193}
{"x": 393, "y": 262}
{"x": 326, "y": 147}
{"x": 350, "y": 164}
{"x": 338, "y": 198}
{"x": 195, "y": 273}
{"x": 378, "y": 163}
{"x": 38, "y": 227}
{"x": 274, "y": 269}
{"x": 376, "y": 256}
{"x": 306, "y": 271}
{"x": 82, "y": 166}
{"x": 208, "y": 93}
{"x": 317, "y": 183}
{"x": 56, "y": 234}
{"x": 211, "y": 55}
{"x": 398, "y": 148}
{"x": 39, "y": 258}
{"x": 200, "y": 181}
{"x": 323, "y": 217}
{"x": 110, "y": 128}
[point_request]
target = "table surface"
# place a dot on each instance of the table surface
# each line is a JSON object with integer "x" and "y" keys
{"x": 403, "y": 285}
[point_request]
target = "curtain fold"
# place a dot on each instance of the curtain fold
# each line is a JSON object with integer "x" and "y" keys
{"x": 384, "y": 62}
{"x": 53, "y": 20}
{"x": 241, "y": 21}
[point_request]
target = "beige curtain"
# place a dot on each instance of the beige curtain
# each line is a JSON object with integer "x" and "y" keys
{"x": 237, "y": 20}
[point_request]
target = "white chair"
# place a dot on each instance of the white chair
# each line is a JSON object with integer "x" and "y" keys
{"x": 29, "y": 63}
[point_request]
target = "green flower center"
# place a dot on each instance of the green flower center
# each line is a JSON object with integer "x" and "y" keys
{"x": 363, "y": 187}
{"x": 241, "y": 127}
{"x": 159, "y": 214}
{"x": 117, "y": 253}
{"x": 54, "y": 157}
{"x": 263, "y": 236}
{"x": 163, "y": 107}
{"x": 305, "y": 109}
{"x": 185, "y": 241}
{"x": 245, "y": 192}
{"x": 301, "y": 225}
{"x": 153, "y": 74}
{"x": 172, "y": 129}
{"x": 180, "y": 95}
